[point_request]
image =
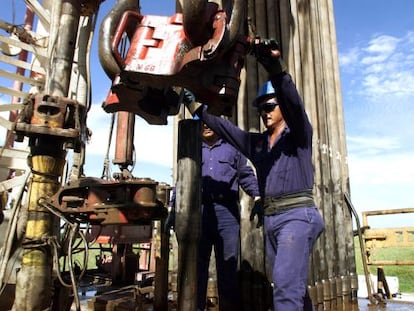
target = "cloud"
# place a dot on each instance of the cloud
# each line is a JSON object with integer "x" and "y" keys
{"x": 381, "y": 181}
{"x": 383, "y": 66}
{"x": 364, "y": 145}
{"x": 380, "y": 169}
{"x": 377, "y": 77}
{"x": 381, "y": 177}
{"x": 379, "y": 49}
{"x": 379, "y": 160}
{"x": 349, "y": 58}
{"x": 378, "y": 86}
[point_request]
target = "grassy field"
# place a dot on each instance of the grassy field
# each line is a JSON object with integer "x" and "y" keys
{"x": 404, "y": 273}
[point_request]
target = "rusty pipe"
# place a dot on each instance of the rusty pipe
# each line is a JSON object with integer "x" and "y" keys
{"x": 197, "y": 15}
{"x": 124, "y": 148}
{"x": 195, "y": 22}
{"x": 237, "y": 10}
{"x": 106, "y": 32}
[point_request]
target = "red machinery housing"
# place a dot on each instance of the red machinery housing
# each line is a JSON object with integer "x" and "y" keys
{"x": 161, "y": 60}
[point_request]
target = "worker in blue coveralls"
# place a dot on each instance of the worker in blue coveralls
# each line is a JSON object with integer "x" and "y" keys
{"x": 282, "y": 156}
{"x": 224, "y": 169}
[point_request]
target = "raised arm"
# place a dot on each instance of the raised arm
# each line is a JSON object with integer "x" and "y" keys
{"x": 292, "y": 107}
{"x": 291, "y": 104}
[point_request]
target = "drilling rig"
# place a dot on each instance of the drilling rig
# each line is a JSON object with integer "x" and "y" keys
{"x": 54, "y": 214}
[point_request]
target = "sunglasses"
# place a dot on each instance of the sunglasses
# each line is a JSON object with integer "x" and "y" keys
{"x": 267, "y": 107}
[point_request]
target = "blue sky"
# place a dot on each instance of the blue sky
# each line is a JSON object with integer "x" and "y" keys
{"x": 376, "y": 49}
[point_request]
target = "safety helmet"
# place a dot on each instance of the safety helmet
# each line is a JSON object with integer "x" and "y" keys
{"x": 266, "y": 91}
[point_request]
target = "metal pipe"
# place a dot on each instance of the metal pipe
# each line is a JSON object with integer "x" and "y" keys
{"x": 196, "y": 19}
{"x": 368, "y": 280}
{"x": 237, "y": 10}
{"x": 188, "y": 214}
{"x": 46, "y": 161}
{"x": 34, "y": 280}
{"x": 124, "y": 148}
{"x": 64, "y": 51}
{"x": 106, "y": 32}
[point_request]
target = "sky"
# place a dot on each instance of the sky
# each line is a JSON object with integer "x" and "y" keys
{"x": 376, "y": 53}
{"x": 376, "y": 50}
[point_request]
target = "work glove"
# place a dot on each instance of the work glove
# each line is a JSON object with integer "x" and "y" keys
{"x": 188, "y": 99}
{"x": 258, "y": 211}
{"x": 267, "y": 54}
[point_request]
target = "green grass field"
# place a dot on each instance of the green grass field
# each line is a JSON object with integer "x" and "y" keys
{"x": 404, "y": 273}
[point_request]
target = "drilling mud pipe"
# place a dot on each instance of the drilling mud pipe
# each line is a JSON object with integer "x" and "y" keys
{"x": 106, "y": 33}
{"x": 34, "y": 280}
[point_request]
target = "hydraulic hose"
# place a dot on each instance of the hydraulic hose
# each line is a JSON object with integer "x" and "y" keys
{"x": 106, "y": 33}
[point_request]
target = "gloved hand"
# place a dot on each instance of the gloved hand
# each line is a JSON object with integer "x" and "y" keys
{"x": 189, "y": 101}
{"x": 267, "y": 53}
{"x": 258, "y": 211}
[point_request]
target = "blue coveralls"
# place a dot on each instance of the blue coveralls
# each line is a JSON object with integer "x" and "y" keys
{"x": 224, "y": 169}
{"x": 284, "y": 168}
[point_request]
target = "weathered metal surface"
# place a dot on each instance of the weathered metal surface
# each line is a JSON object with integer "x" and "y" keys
{"x": 188, "y": 211}
{"x": 98, "y": 201}
{"x": 124, "y": 147}
{"x": 57, "y": 83}
{"x": 34, "y": 279}
{"x": 106, "y": 32}
{"x": 160, "y": 56}
{"x": 120, "y": 234}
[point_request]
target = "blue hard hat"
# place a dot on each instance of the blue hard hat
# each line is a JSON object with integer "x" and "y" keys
{"x": 266, "y": 91}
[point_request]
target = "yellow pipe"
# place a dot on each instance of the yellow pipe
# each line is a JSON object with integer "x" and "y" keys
{"x": 34, "y": 280}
